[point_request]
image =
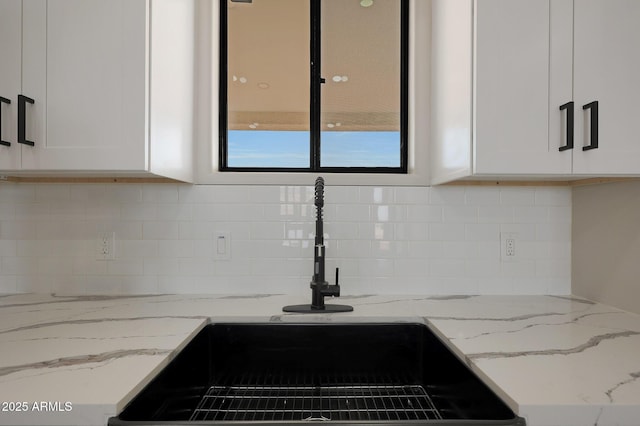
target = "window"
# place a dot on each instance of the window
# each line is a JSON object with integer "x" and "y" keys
{"x": 316, "y": 85}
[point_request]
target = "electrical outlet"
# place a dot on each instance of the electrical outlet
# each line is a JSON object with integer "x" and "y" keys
{"x": 508, "y": 246}
{"x": 106, "y": 246}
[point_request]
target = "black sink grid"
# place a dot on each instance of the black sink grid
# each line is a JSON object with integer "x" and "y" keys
{"x": 281, "y": 373}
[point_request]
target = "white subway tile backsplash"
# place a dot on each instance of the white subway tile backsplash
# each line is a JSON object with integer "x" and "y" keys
{"x": 553, "y": 268}
{"x": 335, "y": 230}
{"x": 337, "y": 195}
{"x": 411, "y": 268}
{"x": 482, "y": 268}
{"x": 522, "y": 269}
{"x": 411, "y": 195}
{"x": 195, "y": 267}
{"x": 389, "y": 213}
{"x": 403, "y": 240}
{"x": 514, "y": 196}
{"x": 33, "y": 248}
{"x": 67, "y": 210}
{"x": 8, "y": 284}
{"x": 354, "y": 213}
{"x": 553, "y": 196}
{"x": 353, "y": 249}
{"x": 55, "y": 266}
{"x": 273, "y": 194}
{"x": 139, "y": 285}
{"x": 176, "y": 212}
{"x": 101, "y": 284}
{"x": 443, "y": 195}
{"x": 32, "y": 211}
{"x": 482, "y": 232}
{"x": 376, "y": 195}
{"x": 447, "y": 231}
{"x": 530, "y": 214}
{"x": 447, "y": 268}
{"x": 161, "y": 230}
{"x": 161, "y": 267}
{"x": 166, "y": 194}
{"x": 410, "y": 231}
{"x": 52, "y": 192}
{"x": 87, "y": 192}
{"x": 386, "y": 249}
{"x": 560, "y": 214}
{"x": 33, "y": 283}
{"x": 127, "y": 193}
{"x": 21, "y": 266}
{"x": 425, "y": 250}
{"x": 376, "y": 231}
{"x": 140, "y": 249}
{"x": 424, "y": 213}
{"x": 495, "y": 214}
{"x": 124, "y": 230}
{"x": 17, "y": 230}
{"x": 483, "y": 196}
{"x": 8, "y": 248}
{"x": 553, "y": 232}
{"x": 460, "y": 214}
{"x": 83, "y": 265}
{"x": 126, "y": 267}
{"x": 17, "y": 193}
{"x": 138, "y": 211}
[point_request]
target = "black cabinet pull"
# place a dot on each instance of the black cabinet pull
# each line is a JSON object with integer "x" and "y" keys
{"x": 593, "y": 106}
{"x": 569, "y": 107}
{"x": 22, "y": 120}
{"x": 4, "y": 101}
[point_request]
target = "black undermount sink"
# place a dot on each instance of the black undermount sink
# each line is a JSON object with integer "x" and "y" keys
{"x": 279, "y": 373}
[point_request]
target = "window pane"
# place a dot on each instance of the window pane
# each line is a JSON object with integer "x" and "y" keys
{"x": 268, "y": 148}
{"x": 361, "y": 57}
{"x": 268, "y": 84}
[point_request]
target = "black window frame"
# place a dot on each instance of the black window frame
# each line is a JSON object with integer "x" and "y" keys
{"x": 316, "y": 82}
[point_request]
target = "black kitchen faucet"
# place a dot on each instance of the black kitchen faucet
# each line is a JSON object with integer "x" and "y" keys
{"x": 319, "y": 286}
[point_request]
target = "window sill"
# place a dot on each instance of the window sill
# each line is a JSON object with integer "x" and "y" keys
{"x": 274, "y": 178}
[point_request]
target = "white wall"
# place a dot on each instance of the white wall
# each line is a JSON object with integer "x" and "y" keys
{"x": 392, "y": 240}
{"x": 606, "y": 244}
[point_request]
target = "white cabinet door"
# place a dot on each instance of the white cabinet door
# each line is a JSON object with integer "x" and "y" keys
{"x": 10, "y": 75}
{"x": 607, "y": 70}
{"x": 85, "y": 66}
{"x": 517, "y": 116}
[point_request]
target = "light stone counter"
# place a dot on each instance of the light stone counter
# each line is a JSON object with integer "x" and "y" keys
{"x": 77, "y": 360}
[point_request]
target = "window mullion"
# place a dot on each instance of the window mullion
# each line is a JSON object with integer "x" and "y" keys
{"x": 315, "y": 84}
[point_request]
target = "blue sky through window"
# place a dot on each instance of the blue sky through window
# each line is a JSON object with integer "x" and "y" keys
{"x": 276, "y": 149}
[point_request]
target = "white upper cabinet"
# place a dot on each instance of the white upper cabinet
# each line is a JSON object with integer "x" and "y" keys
{"x": 10, "y": 77}
{"x": 84, "y": 66}
{"x": 507, "y": 85}
{"x": 513, "y": 104}
{"x": 106, "y": 98}
{"x": 607, "y": 70}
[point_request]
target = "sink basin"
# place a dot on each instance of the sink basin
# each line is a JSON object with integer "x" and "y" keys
{"x": 282, "y": 373}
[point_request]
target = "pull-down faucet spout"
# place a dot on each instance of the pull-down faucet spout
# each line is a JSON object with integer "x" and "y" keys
{"x": 320, "y": 288}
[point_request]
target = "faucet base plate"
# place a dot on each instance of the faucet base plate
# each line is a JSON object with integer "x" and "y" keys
{"x": 309, "y": 309}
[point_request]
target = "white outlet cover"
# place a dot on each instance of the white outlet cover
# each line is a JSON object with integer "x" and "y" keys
{"x": 106, "y": 246}
{"x": 509, "y": 254}
{"x": 222, "y": 245}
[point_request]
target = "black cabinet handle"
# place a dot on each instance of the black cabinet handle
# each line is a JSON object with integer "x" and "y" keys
{"x": 593, "y": 106}
{"x": 5, "y": 101}
{"x": 22, "y": 120}
{"x": 569, "y": 107}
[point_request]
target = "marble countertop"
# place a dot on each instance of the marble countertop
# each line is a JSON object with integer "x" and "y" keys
{"x": 77, "y": 360}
